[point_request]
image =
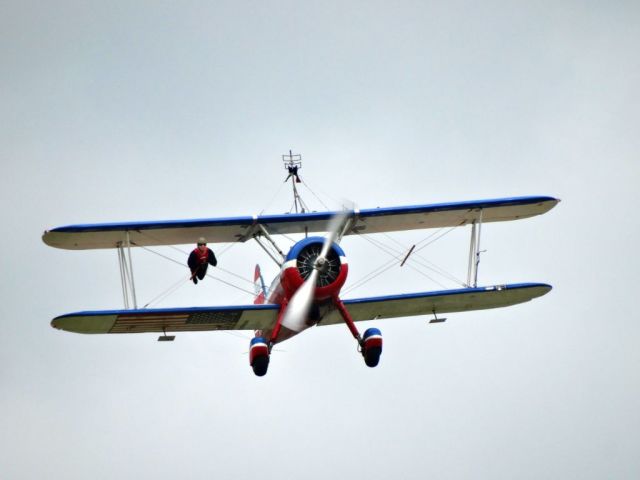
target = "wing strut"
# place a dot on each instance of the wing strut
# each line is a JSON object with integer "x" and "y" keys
{"x": 474, "y": 251}
{"x": 280, "y": 260}
{"x": 126, "y": 274}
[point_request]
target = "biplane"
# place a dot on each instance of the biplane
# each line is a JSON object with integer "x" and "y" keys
{"x": 307, "y": 290}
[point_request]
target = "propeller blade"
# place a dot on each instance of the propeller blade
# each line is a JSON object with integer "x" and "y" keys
{"x": 298, "y": 308}
{"x": 336, "y": 224}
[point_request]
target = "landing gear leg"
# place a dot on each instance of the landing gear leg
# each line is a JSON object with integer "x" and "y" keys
{"x": 370, "y": 344}
{"x": 276, "y": 329}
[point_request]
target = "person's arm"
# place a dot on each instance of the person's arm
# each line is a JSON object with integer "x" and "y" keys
{"x": 212, "y": 258}
{"x": 192, "y": 262}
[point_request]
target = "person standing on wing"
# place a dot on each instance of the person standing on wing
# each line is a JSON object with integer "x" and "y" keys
{"x": 200, "y": 259}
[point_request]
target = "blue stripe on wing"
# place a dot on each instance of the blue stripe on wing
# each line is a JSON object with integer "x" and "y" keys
{"x": 443, "y": 293}
{"x": 301, "y": 217}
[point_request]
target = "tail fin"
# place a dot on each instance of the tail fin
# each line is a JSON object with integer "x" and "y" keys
{"x": 260, "y": 288}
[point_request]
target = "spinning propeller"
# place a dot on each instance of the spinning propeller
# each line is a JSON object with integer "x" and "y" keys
{"x": 300, "y": 303}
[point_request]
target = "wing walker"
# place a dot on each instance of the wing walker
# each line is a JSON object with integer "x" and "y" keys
{"x": 307, "y": 291}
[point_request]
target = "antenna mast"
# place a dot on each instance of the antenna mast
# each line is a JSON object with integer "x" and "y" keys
{"x": 292, "y": 163}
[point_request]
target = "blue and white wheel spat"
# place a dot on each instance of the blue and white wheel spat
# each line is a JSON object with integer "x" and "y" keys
{"x": 259, "y": 356}
{"x": 372, "y": 346}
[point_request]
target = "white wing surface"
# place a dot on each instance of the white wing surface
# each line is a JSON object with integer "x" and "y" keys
{"x": 440, "y": 302}
{"x": 240, "y": 229}
{"x": 263, "y": 317}
{"x": 196, "y": 319}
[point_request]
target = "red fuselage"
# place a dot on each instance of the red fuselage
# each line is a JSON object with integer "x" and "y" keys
{"x": 294, "y": 272}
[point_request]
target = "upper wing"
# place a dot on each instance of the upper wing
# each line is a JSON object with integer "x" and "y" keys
{"x": 241, "y": 317}
{"x": 445, "y": 301}
{"x": 240, "y": 229}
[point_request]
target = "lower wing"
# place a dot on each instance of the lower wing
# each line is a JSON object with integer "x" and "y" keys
{"x": 438, "y": 302}
{"x": 263, "y": 317}
{"x": 196, "y": 319}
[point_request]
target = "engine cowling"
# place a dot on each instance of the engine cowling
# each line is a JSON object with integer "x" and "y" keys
{"x": 300, "y": 262}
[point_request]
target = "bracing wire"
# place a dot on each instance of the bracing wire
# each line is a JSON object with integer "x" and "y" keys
{"x": 396, "y": 254}
{"x": 373, "y": 274}
{"x": 389, "y": 250}
{"x": 288, "y": 237}
{"x": 438, "y": 237}
{"x": 314, "y": 194}
{"x": 425, "y": 263}
{"x": 430, "y": 265}
{"x": 425, "y": 275}
{"x": 237, "y": 335}
{"x": 383, "y": 247}
{"x": 219, "y": 254}
{"x": 162, "y": 255}
{"x": 377, "y": 271}
{"x": 171, "y": 290}
{"x": 435, "y": 268}
{"x": 273, "y": 198}
{"x": 250, "y": 292}
{"x": 208, "y": 274}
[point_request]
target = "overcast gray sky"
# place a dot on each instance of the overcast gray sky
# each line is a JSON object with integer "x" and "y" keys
{"x": 117, "y": 111}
